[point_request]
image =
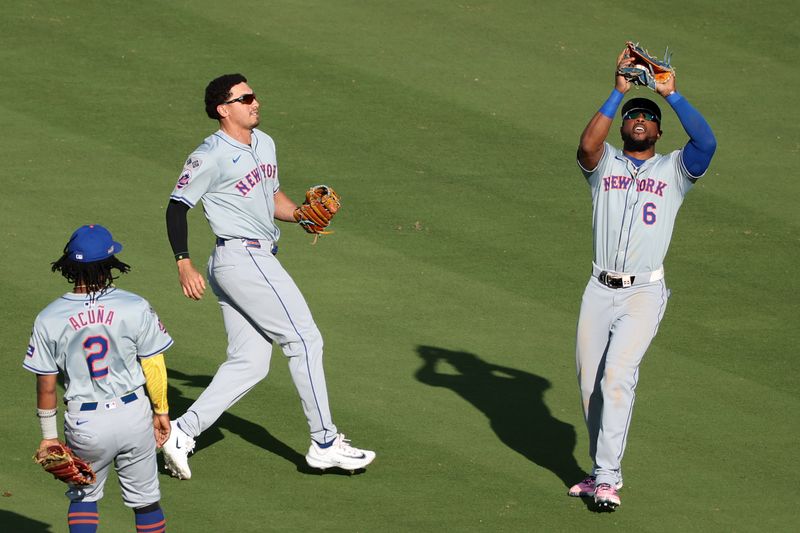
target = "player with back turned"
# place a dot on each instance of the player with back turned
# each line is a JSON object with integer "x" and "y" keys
{"x": 108, "y": 345}
{"x": 636, "y": 194}
{"x": 234, "y": 172}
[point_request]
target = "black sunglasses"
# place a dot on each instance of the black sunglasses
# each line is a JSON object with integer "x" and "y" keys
{"x": 647, "y": 115}
{"x": 246, "y": 99}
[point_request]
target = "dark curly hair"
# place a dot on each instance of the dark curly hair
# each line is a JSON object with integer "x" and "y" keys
{"x": 96, "y": 276}
{"x": 219, "y": 90}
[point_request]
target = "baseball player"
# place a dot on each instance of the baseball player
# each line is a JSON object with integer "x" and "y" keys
{"x": 636, "y": 194}
{"x": 108, "y": 345}
{"x": 235, "y": 174}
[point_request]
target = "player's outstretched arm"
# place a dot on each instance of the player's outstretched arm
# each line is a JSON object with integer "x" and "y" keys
{"x": 590, "y": 148}
{"x": 697, "y": 153}
{"x": 702, "y": 144}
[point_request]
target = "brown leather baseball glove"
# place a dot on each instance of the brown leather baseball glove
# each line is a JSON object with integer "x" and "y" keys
{"x": 62, "y": 462}
{"x": 316, "y": 213}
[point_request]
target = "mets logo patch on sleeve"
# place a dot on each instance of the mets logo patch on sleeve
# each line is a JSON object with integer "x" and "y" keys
{"x": 183, "y": 181}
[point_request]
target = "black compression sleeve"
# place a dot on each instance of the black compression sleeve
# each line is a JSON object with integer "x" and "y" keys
{"x": 178, "y": 229}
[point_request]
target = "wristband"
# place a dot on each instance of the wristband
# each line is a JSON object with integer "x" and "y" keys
{"x": 182, "y": 255}
{"x": 609, "y": 108}
{"x": 47, "y": 421}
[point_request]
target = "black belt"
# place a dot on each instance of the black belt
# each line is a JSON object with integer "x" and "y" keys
{"x": 91, "y": 406}
{"x": 615, "y": 281}
{"x": 248, "y": 243}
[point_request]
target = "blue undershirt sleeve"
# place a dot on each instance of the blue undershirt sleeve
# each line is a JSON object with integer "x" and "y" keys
{"x": 702, "y": 144}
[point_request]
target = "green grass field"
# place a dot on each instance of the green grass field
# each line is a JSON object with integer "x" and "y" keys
{"x": 448, "y": 295}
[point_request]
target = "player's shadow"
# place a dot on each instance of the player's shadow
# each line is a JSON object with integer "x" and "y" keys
{"x": 10, "y": 521}
{"x": 251, "y": 432}
{"x": 513, "y": 401}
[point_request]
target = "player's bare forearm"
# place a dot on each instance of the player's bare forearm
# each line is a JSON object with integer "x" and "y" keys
{"x": 192, "y": 282}
{"x": 46, "y": 391}
{"x": 284, "y": 207}
{"x": 46, "y": 401}
{"x": 590, "y": 148}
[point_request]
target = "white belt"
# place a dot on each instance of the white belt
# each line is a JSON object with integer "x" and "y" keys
{"x": 622, "y": 280}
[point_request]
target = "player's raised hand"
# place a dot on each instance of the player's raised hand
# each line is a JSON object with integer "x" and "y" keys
{"x": 161, "y": 429}
{"x": 192, "y": 282}
{"x": 624, "y": 60}
{"x": 666, "y": 88}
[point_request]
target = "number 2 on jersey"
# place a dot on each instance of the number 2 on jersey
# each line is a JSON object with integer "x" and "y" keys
{"x": 96, "y": 349}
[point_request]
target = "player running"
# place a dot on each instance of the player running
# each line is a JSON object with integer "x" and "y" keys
{"x": 108, "y": 344}
{"x": 636, "y": 194}
{"x": 235, "y": 174}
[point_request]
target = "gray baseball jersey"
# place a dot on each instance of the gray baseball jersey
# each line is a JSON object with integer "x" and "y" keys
{"x": 237, "y": 184}
{"x": 633, "y": 216}
{"x": 260, "y": 302}
{"x": 95, "y": 343}
{"x": 634, "y": 210}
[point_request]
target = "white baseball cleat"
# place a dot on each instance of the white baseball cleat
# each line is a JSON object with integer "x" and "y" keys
{"x": 339, "y": 454}
{"x": 176, "y": 452}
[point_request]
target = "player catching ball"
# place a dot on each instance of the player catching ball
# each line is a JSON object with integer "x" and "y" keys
{"x": 636, "y": 194}
{"x": 108, "y": 345}
{"x": 234, "y": 172}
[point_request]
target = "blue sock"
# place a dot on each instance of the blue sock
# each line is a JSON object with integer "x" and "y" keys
{"x": 83, "y": 517}
{"x": 150, "y": 519}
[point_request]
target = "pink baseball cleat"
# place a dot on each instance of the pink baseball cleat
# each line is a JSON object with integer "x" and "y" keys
{"x": 586, "y": 487}
{"x": 606, "y": 497}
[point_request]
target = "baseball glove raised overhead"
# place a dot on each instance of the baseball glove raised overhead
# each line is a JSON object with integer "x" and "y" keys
{"x": 316, "y": 213}
{"x": 62, "y": 462}
{"x": 646, "y": 70}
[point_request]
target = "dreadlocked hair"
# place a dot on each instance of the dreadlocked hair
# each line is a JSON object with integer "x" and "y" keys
{"x": 96, "y": 276}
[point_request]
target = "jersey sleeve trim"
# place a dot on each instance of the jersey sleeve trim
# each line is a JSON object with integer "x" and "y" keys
{"x": 685, "y": 169}
{"x": 151, "y": 354}
{"x": 588, "y": 171}
{"x": 182, "y": 200}
{"x": 35, "y": 370}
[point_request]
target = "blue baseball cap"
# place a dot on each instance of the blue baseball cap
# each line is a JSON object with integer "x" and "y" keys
{"x": 92, "y": 243}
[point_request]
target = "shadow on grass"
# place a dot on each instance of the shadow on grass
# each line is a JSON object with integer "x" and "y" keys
{"x": 249, "y": 431}
{"x": 17, "y": 523}
{"x": 513, "y": 401}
